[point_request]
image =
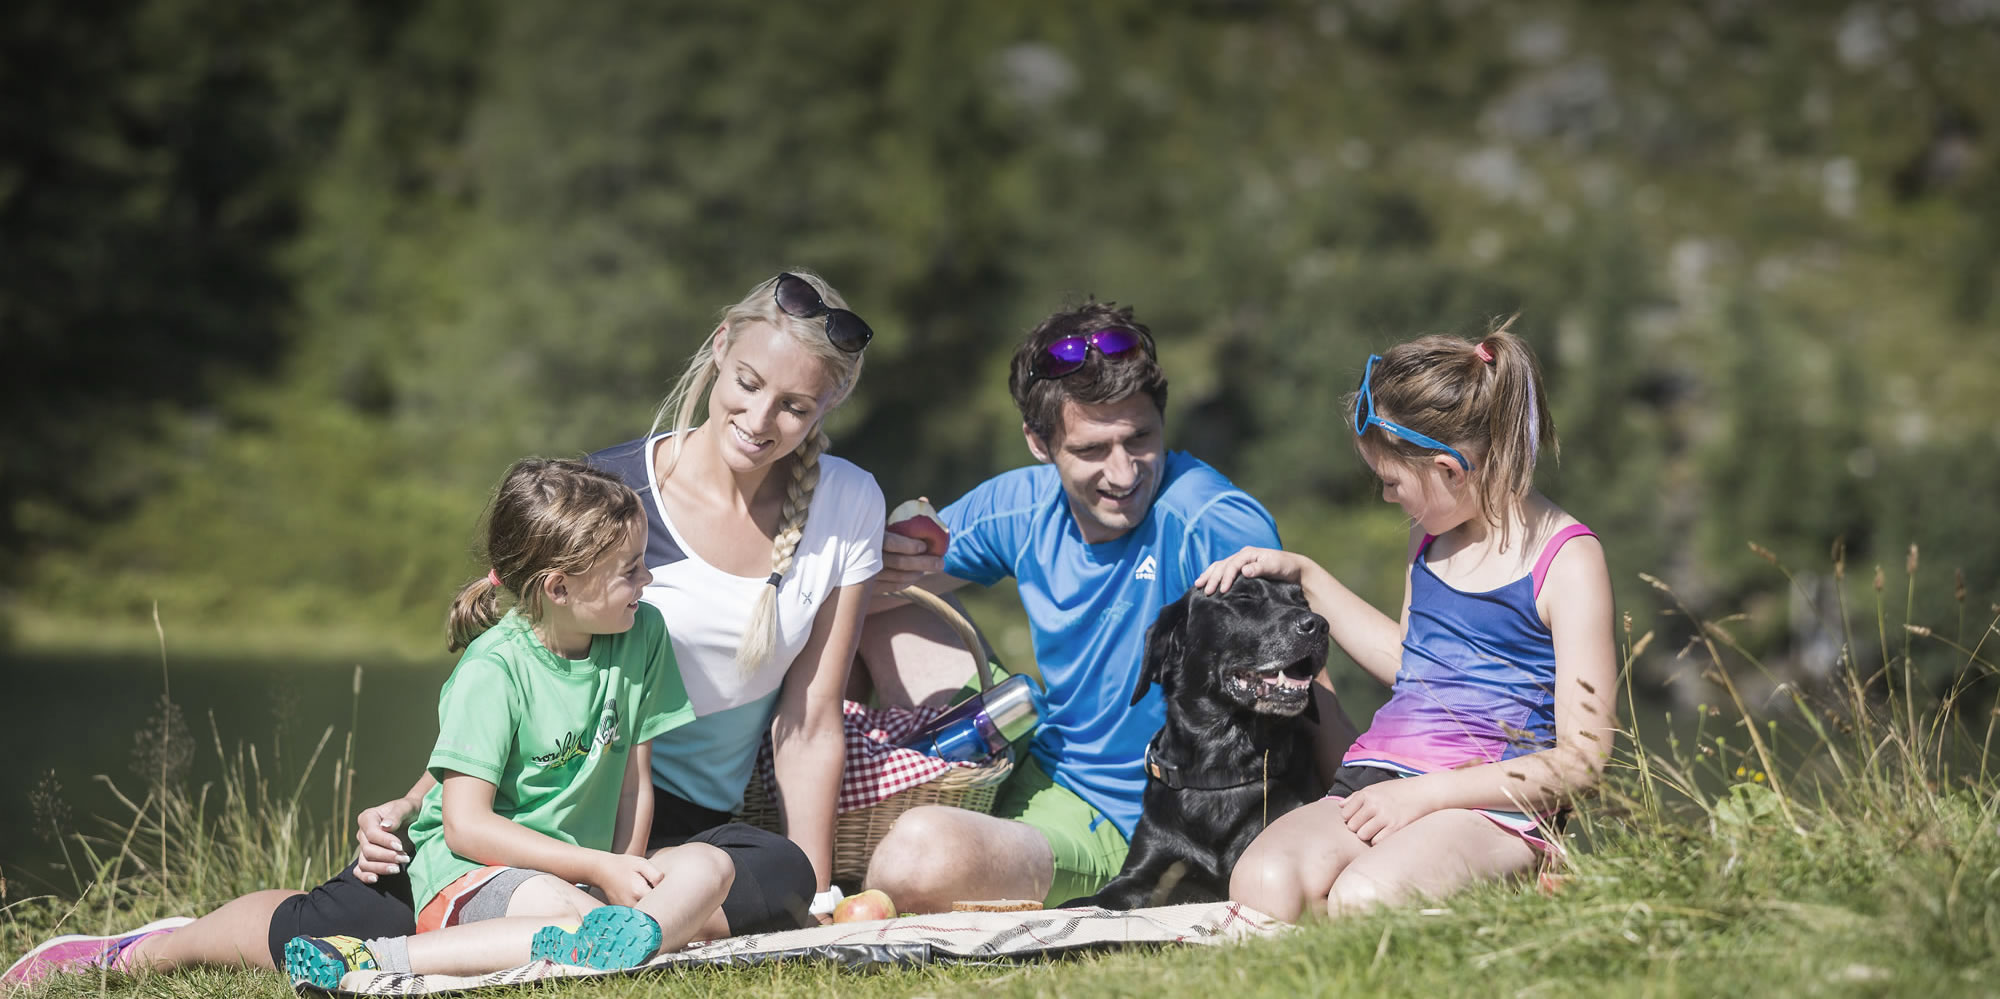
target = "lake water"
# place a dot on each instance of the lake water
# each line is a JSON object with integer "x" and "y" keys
{"x": 78, "y": 716}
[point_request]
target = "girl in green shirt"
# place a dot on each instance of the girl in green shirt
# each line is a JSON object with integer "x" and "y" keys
{"x": 542, "y": 759}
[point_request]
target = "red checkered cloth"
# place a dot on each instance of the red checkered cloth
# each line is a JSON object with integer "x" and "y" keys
{"x": 876, "y": 766}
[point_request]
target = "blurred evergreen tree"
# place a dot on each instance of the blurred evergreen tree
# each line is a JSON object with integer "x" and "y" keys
{"x": 1775, "y": 383}
{"x": 367, "y": 253}
{"x": 151, "y": 157}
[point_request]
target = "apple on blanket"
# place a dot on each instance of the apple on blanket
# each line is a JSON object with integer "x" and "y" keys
{"x": 867, "y": 906}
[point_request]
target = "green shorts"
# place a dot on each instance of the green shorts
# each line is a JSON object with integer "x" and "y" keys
{"x": 1089, "y": 850}
{"x": 1088, "y": 847}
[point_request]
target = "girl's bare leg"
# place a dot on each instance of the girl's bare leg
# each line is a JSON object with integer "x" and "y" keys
{"x": 697, "y": 878}
{"x": 492, "y": 944}
{"x": 1431, "y": 857}
{"x": 1288, "y": 870}
{"x": 695, "y": 870}
{"x": 688, "y": 902}
{"x": 235, "y": 935}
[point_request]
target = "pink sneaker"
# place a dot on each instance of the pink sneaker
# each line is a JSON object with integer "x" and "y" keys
{"x": 81, "y": 953}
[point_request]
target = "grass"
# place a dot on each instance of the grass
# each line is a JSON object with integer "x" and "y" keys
{"x": 1835, "y": 839}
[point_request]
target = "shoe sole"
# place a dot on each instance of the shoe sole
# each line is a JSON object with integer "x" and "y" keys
{"x": 611, "y": 938}
{"x": 307, "y": 963}
{"x": 169, "y": 923}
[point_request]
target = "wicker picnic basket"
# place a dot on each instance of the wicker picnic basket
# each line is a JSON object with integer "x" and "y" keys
{"x": 856, "y": 833}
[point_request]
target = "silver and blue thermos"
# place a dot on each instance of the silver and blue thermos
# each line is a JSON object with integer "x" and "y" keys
{"x": 982, "y": 725}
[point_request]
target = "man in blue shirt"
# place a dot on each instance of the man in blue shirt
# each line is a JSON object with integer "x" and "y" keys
{"x": 1109, "y": 527}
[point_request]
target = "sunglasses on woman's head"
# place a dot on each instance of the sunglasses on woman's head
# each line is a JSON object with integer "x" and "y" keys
{"x": 1066, "y": 355}
{"x": 800, "y": 300}
{"x": 1364, "y": 417}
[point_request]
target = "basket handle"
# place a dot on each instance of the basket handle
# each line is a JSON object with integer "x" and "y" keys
{"x": 950, "y": 615}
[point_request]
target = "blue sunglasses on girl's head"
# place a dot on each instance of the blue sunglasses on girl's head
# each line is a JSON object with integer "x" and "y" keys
{"x": 1364, "y": 417}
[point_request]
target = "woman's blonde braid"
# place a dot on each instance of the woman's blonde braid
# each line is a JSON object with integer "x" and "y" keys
{"x": 760, "y": 636}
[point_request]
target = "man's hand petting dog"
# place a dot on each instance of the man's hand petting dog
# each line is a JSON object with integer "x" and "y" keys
{"x": 1236, "y": 670}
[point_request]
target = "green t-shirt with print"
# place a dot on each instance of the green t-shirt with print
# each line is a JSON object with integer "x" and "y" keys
{"x": 552, "y": 734}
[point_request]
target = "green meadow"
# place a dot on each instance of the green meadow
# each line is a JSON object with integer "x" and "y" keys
{"x": 1834, "y": 838}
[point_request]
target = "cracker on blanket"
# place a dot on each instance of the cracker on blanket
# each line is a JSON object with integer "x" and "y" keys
{"x": 996, "y": 905}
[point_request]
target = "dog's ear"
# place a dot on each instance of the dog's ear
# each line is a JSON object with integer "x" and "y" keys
{"x": 1164, "y": 643}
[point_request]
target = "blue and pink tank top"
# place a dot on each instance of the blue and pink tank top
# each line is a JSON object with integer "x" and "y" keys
{"x": 1477, "y": 683}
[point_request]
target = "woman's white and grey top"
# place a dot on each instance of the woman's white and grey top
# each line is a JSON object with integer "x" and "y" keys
{"x": 708, "y": 761}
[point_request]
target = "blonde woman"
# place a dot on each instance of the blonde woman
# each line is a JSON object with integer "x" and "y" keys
{"x": 763, "y": 547}
{"x": 760, "y": 546}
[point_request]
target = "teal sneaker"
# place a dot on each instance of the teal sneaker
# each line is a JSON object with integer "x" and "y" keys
{"x": 322, "y": 961}
{"x": 611, "y": 938}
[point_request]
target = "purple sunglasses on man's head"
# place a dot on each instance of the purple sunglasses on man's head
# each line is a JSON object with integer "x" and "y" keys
{"x": 1066, "y": 355}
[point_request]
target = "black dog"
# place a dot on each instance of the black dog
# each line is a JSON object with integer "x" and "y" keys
{"x": 1236, "y": 669}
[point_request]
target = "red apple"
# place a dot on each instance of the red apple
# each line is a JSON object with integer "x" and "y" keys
{"x": 868, "y": 906}
{"x": 916, "y": 519}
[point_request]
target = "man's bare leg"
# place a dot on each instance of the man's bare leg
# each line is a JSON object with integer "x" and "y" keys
{"x": 936, "y": 855}
{"x": 912, "y": 658}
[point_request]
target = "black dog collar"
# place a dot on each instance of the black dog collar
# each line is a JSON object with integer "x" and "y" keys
{"x": 1172, "y": 777}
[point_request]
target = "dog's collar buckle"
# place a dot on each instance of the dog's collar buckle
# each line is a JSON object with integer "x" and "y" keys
{"x": 1168, "y": 775}
{"x": 1171, "y": 775}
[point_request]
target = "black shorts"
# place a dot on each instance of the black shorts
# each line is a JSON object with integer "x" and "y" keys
{"x": 1348, "y": 780}
{"x": 774, "y": 884}
{"x": 774, "y": 881}
{"x": 345, "y": 905}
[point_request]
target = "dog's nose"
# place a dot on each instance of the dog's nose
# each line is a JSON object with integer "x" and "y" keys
{"x": 1311, "y": 624}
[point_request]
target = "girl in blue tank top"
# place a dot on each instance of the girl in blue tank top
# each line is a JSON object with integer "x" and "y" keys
{"x": 1501, "y": 665}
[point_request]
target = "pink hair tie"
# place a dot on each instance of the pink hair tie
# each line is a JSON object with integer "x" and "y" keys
{"x": 493, "y": 578}
{"x": 1484, "y": 354}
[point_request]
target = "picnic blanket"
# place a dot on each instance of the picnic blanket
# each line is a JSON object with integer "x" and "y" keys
{"x": 959, "y": 937}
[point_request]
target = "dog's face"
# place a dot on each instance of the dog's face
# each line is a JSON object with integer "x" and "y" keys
{"x": 1256, "y": 648}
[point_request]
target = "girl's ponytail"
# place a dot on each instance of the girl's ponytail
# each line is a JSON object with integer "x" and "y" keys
{"x": 1483, "y": 398}
{"x": 1518, "y": 420}
{"x": 760, "y": 634}
{"x": 475, "y": 609}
